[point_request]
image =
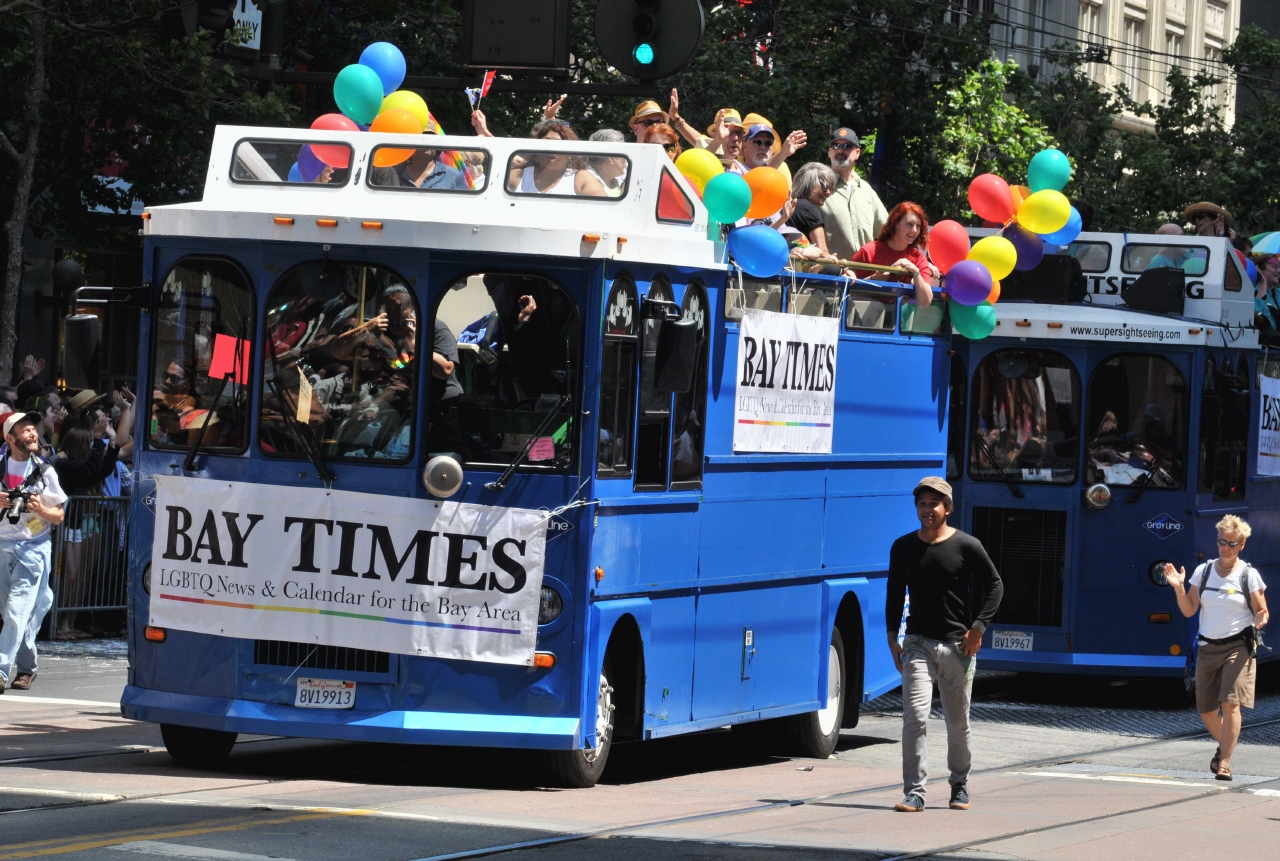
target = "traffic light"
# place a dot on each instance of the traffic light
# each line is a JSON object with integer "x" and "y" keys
{"x": 649, "y": 39}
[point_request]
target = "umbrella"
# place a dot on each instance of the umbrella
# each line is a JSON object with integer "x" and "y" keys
{"x": 1267, "y": 243}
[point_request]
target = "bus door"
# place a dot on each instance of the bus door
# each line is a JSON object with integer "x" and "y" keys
{"x": 1022, "y": 497}
{"x": 1137, "y": 422}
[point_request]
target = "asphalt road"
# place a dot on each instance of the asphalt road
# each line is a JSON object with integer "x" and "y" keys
{"x": 1065, "y": 769}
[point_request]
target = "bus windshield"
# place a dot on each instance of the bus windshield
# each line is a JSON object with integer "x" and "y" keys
{"x": 340, "y": 363}
{"x": 505, "y": 371}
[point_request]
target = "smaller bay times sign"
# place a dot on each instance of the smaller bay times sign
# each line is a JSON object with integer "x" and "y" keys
{"x": 410, "y": 576}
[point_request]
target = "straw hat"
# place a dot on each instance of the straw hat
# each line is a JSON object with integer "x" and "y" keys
{"x": 82, "y": 399}
{"x": 648, "y": 108}
{"x": 731, "y": 118}
{"x": 1211, "y": 208}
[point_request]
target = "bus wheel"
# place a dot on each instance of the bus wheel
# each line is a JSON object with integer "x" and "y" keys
{"x": 195, "y": 747}
{"x": 815, "y": 734}
{"x": 582, "y": 768}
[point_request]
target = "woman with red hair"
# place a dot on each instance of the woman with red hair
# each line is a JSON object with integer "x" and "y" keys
{"x": 901, "y": 243}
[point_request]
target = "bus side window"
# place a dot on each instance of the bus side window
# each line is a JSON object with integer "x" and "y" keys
{"x": 1224, "y": 431}
{"x": 689, "y": 424}
{"x": 653, "y": 427}
{"x": 618, "y": 378}
{"x": 200, "y": 367}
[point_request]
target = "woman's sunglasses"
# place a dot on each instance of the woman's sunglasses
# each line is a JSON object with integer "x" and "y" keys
{"x": 670, "y": 148}
{"x": 651, "y": 121}
{"x": 1222, "y": 542}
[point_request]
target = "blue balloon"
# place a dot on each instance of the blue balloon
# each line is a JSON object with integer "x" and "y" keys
{"x": 759, "y": 250}
{"x": 309, "y": 167}
{"x": 387, "y": 60}
{"x": 295, "y": 175}
{"x": 1068, "y": 233}
{"x": 1252, "y": 271}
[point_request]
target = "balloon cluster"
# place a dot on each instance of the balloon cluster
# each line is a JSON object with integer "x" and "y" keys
{"x": 367, "y": 96}
{"x": 760, "y": 250}
{"x": 1036, "y": 218}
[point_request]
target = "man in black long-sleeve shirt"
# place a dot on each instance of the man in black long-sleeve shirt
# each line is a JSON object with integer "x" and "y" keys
{"x": 945, "y": 570}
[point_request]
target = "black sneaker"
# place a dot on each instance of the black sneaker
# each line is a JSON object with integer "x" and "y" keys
{"x": 913, "y": 803}
{"x": 959, "y": 797}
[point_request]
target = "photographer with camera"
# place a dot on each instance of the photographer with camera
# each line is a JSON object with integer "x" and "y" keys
{"x": 30, "y": 503}
{"x": 1227, "y": 592}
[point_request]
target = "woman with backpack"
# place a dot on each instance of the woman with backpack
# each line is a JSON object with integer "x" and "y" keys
{"x": 1228, "y": 593}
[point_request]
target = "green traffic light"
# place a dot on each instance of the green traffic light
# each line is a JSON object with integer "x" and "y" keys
{"x": 643, "y": 54}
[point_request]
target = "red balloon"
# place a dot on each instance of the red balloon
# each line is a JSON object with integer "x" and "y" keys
{"x": 948, "y": 244}
{"x": 990, "y": 198}
{"x": 336, "y": 155}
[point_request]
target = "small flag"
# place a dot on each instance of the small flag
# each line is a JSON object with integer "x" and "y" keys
{"x": 488, "y": 82}
{"x": 473, "y": 96}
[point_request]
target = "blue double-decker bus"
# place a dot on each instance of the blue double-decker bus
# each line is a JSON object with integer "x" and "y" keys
{"x": 436, "y": 451}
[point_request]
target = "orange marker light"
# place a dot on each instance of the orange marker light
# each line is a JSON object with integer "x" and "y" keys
{"x": 1055, "y": 325}
{"x": 1175, "y": 650}
{"x": 591, "y": 237}
{"x": 326, "y": 222}
{"x": 155, "y": 635}
{"x": 1160, "y": 617}
{"x": 283, "y": 219}
{"x": 1026, "y": 323}
{"x": 545, "y": 660}
{"x": 599, "y": 574}
{"x": 371, "y": 225}
{"x": 146, "y": 216}
{"x": 1193, "y": 331}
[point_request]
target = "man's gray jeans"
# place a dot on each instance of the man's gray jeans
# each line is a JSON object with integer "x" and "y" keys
{"x": 925, "y": 661}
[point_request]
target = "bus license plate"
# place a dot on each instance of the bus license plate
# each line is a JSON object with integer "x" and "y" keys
{"x": 1014, "y": 641}
{"x": 325, "y": 694}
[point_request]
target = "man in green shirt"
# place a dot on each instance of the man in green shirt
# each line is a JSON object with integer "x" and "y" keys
{"x": 853, "y": 213}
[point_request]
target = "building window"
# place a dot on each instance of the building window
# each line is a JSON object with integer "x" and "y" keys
{"x": 1214, "y": 66}
{"x": 1132, "y": 62}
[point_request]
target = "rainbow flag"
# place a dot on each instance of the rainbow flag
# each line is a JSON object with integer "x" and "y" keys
{"x": 452, "y": 158}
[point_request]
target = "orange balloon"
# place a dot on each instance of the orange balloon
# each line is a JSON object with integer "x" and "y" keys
{"x": 769, "y": 191}
{"x": 994, "y": 296}
{"x": 394, "y": 121}
{"x": 1019, "y": 193}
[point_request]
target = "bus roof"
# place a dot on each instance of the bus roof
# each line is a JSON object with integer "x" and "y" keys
{"x": 492, "y": 219}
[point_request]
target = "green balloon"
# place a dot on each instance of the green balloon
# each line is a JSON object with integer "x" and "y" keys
{"x": 1048, "y": 169}
{"x": 358, "y": 92}
{"x": 975, "y": 322}
{"x": 727, "y": 197}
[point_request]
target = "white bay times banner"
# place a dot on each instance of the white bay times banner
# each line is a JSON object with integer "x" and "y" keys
{"x": 786, "y": 395}
{"x": 1269, "y": 427}
{"x": 410, "y": 576}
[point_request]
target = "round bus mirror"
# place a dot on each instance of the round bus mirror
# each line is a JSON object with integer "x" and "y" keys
{"x": 442, "y": 476}
{"x": 1097, "y": 496}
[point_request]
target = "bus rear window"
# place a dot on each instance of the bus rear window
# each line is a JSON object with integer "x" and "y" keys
{"x": 515, "y": 379}
{"x": 1093, "y": 256}
{"x": 422, "y": 169}
{"x": 285, "y": 162}
{"x": 565, "y": 174}
{"x": 1191, "y": 259}
{"x": 200, "y": 367}
{"x": 1138, "y": 422}
{"x": 340, "y": 369}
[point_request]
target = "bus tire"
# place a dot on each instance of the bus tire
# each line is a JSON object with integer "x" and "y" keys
{"x": 815, "y": 734}
{"x": 580, "y": 769}
{"x": 195, "y": 747}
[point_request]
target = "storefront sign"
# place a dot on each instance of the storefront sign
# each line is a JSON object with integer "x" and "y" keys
{"x": 409, "y": 576}
{"x": 786, "y": 395}
{"x": 1269, "y": 427}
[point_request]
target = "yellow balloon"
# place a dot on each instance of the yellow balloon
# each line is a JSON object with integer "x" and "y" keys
{"x": 409, "y": 101}
{"x": 699, "y": 166}
{"x": 1045, "y": 212}
{"x": 997, "y": 254}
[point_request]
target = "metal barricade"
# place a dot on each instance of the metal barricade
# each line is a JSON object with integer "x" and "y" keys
{"x": 90, "y": 556}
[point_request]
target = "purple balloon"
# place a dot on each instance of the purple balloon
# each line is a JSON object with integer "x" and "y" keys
{"x": 1029, "y": 246}
{"x": 969, "y": 282}
{"x": 308, "y": 165}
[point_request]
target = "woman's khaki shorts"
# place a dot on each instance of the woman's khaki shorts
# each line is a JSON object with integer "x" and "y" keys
{"x": 1224, "y": 674}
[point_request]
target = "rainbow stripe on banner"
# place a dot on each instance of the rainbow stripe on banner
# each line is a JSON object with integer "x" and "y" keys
{"x": 340, "y": 613}
{"x": 784, "y": 424}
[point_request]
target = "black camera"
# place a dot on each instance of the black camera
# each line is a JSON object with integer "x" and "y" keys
{"x": 18, "y": 499}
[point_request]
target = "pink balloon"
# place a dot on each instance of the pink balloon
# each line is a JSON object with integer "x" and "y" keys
{"x": 335, "y": 155}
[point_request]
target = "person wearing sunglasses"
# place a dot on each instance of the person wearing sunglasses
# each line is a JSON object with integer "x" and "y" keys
{"x": 666, "y": 137}
{"x": 1209, "y": 219}
{"x": 646, "y": 115}
{"x": 853, "y": 213}
{"x": 1228, "y": 594}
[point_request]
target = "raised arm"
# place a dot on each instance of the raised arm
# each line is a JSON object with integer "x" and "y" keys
{"x": 1188, "y": 596}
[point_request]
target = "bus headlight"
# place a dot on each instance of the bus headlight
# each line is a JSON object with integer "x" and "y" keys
{"x": 146, "y": 579}
{"x": 550, "y": 606}
{"x": 1156, "y": 572}
{"x": 1097, "y": 496}
{"x": 442, "y": 476}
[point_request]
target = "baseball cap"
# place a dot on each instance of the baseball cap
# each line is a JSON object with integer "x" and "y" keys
{"x": 846, "y": 134}
{"x": 934, "y": 483}
{"x": 758, "y": 128}
{"x": 11, "y": 419}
